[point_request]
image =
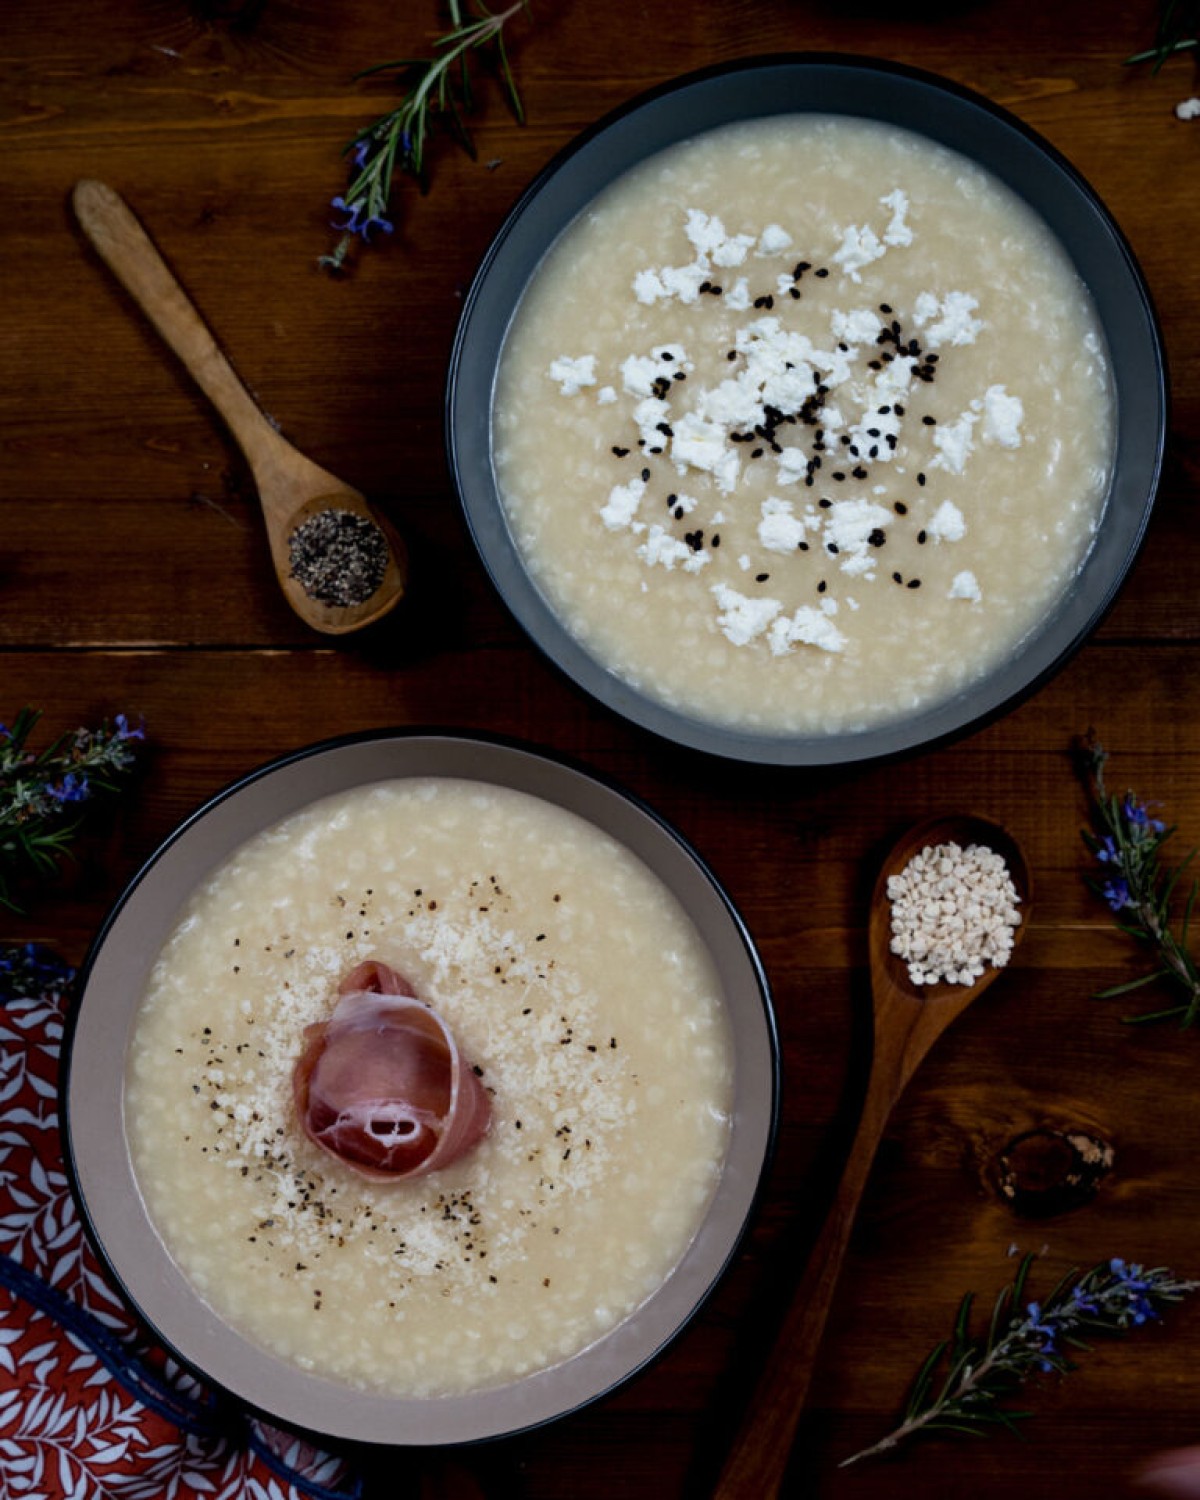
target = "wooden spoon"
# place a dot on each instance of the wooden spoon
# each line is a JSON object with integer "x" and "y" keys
{"x": 291, "y": 487}
{"x": 908, "y": 1020}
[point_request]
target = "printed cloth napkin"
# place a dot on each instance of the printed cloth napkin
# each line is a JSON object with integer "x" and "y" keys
{"x": 90, "y": 1408}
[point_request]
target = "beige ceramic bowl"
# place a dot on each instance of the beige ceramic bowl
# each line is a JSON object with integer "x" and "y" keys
{"x": 97, "y": 1148}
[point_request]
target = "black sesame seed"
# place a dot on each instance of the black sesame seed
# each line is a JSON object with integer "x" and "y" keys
{"x": 877, "y": 537}
{"x": 900, "y": 508}
{"x": 645, "y": 474}
{"x": 802, "y": 546}
{"x": 756, "y": 453}
{"x": 896, "y": 578}
{"x": 884, "y": 308}
{"x": 832, "y": 548}
{"x": 929, "y": 421}
{"x": 920, "y": 479}
{"x": 821, "y": 586}
{"x": 839, "y": 477}
{"x": 824, "y": 504}
{"x": 914, "y": 583}
{"x": 621, "y": 452}
{"x": 667, "y": 355}
{"x": 732, "y": 354}
{"x": 859, "y": 473}
{"x": 922, "y": 538}
{"x": 761, "y": 577}
{"x": 822, "y": 272}
{"x": 716, "y": 541}
{"x": 794, "y": 293}
{"x": 899, "y": 410}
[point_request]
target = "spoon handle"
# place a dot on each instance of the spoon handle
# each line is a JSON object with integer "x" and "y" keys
{"x": 758, "y": 1459}
{"x": 129, "y": 253}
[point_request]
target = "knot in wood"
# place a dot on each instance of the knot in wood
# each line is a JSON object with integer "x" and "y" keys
{"x": 1045, "y": 1172}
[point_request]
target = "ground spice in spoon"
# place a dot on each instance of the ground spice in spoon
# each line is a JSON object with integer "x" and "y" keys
{"x": 338, "y": 557}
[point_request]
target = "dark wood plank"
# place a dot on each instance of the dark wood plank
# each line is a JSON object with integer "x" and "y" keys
{"x": 134, "y": 576}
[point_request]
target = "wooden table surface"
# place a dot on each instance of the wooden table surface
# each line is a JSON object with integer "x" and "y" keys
{"x": 134, "y": 576}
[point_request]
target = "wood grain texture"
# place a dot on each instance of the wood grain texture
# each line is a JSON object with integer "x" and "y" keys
{"x": 135, "y": 575}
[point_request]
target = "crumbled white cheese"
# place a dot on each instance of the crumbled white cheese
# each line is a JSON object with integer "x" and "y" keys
{"x": 744, "y": 562}
{"x": 780, "y": 530}
{"x": 606, "y": 395}
{"x": 684, "y": 282}
{"x": 860, "y": 246}
{"x": 965, "y": 586}
{"x": 859, "y": 326}
{"x": 649, "y": 414}
{"x": 623, "y": 502}
{"x": 897, "y": 232}
{"x": 1002, "y": 415}
{"x": 947, "y": 524}
{"x": 947, "y": 320}
{"x": 743, "y": 619}
{"x": 638, "y": 373}
{"x": 792, "y": 465}
{"x": 1188, "y": 109}
{"x": 661, "y": 548}
{"x": 573, "y": 374}
{"x": 774, "y": 240}
{"x": 807, "y": 627}
{"x": 648, "y": 287}
{"x": 738, "y": 295}
{"x": 849, "y": 526}
{"x": 701, "y": 445}
{"x": 954, "y": 443}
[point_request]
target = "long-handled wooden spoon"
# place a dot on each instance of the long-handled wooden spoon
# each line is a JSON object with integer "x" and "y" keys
{"x": 908, "y": 1020}
{"x": 292, "y": 488}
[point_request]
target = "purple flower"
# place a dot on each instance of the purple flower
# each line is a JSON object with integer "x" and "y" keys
{"x": 1116, "y": 893}
{"x": 1082, "y": 1300}
{"x": 362, "y": 154}
{"x": 71, "y": 788}
{"x": 1108, "y": 853}
{"x": 1048, "y": 1331}
{"x": 125, "y": 732}
{"x": 1137, "y": 816}
{"x": 358, "y": 219}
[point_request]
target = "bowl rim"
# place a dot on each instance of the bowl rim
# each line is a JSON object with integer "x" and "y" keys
{"x": 1050, "y": 644}
{"x": 447, "y": 1419}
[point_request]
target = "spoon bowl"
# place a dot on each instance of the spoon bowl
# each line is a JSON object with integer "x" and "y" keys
{"x": 290, "y": 486}
{"x": 908, "y": 1019}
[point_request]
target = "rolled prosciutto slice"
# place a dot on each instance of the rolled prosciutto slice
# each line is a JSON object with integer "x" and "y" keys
{"x": 382, "y": 1085}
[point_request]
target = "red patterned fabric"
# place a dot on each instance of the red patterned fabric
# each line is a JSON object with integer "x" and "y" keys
{"x": 71, "y": 1428}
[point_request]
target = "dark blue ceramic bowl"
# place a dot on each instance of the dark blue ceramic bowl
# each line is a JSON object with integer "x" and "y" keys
{"x": 945, "y": 113}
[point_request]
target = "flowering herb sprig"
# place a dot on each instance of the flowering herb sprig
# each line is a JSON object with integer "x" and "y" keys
{"x": 433, "y": 87}
{"x": 43, "y": 794}
{"x": 1023, "y": 1339}
{"x": 28, "y": 971}
{"x": 1177, "y": 31}
{"x": 1138, "y": 886}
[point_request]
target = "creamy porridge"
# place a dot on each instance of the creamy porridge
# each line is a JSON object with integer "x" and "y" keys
{"x": 581, "y": 995}
{"x": 804, "y": 424}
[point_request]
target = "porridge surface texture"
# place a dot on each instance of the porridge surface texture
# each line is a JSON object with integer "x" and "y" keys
{"x": 575, "y": 985}
{"x": 804, "y": 424}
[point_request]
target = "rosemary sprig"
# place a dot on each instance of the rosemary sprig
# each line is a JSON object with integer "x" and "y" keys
{"x": 41, "y": 794}
{"x": 30, "y": 971}
{"x": 1138, "y": 887}
{"x": 1178, "y": 25}
{"x": 982, "y": 1370}
{"x": 433, "y": 88}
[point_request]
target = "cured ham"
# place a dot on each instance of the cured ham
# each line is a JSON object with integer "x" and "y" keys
{"x": 382, "y": 1084}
